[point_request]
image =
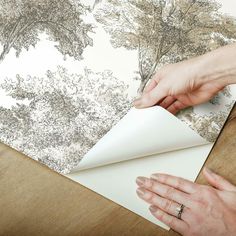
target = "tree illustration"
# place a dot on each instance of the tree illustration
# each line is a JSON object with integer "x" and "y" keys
{"x": 59, "y": 117}
{"x": 21, "y": 23}
{"x": 208, "y": 126}
{"x": 165, "y": 31}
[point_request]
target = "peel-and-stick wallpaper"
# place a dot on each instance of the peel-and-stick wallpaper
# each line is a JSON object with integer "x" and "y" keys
{"x": 70, "y": 69}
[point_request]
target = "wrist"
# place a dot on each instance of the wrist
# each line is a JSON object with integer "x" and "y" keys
{"x": 218, "y": 66}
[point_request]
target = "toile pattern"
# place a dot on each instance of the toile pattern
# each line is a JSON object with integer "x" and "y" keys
{"x": 57, "y": 114}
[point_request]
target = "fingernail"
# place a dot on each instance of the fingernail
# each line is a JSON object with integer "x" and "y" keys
{"x": 153, "y": 208}
{"x": 140, "y": 192}
{"x": 154, "y": 176}
{"x": 140, "y": 181}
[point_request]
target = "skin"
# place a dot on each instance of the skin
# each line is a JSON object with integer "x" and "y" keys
{"x": 209, "y": 210}
{"x": 191, "y": 82}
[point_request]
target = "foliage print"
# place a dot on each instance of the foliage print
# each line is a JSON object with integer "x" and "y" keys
{"x": 21, "y": 23}
{"x": 64, "y": 116}
{"x": 208, "y": 126}
{"x": 58, "y": 117}
{"x": 165, "y": 31}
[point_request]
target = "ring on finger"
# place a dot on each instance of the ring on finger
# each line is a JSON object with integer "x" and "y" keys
{"x": 169, "y": 206}
{"x": 179, "y": 211}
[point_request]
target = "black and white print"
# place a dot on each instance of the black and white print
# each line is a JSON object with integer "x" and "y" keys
{"x": 69, "y": 69}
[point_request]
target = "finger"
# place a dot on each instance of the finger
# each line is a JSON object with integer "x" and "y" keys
{"x": 176, "y": 224}
{"x": 218, "y": 181}
{"x": 167, "y": 102}
{"x": 164, "y": 191}
{"x": 166, "y": 205}
{"x": 152, "y": 84}
{"x": 175, "y": 107}
{"x": 151, "y": 98}
{"x": 176, "y": 182}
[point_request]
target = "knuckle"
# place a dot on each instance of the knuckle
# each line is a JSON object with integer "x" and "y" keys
{"x": 169, "y": 192}
{"x": 160, "y": 215}
{"x": 200, "y": 204}
{"x": 197, "y": 206}
{"x": 146, "y": 98}
{"x": 156, "y": 77}
{"x": 149, "y": 184}
{"x": 195, "y": 217}
{"x": 207, "y": 191}
{"x": 166, "y": 205}
{"x": 166, "y": 89}
{"x": 179, "y": 183}
{"x": 151, "y": 198}
{"x": 176, "y": 106}
{"x": 204, "y": 194}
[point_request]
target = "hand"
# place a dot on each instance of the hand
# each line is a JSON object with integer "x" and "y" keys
{"x": 209, "y": 210}
{"x": 191, "y": 82}
{"x": 177, "y": 86}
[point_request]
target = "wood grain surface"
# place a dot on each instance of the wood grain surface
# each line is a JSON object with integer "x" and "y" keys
{"x": 37, "y": 201}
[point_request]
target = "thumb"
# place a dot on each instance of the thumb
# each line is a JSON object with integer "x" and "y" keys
{"x": 151, "y": 98}
{"x": 218, "y": 181}
{"x": 151, "y": 85}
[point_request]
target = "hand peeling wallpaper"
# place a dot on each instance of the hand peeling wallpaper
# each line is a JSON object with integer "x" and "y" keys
{"x": 69, "y": 70}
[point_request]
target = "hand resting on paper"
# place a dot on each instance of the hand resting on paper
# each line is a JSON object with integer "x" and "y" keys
{"x": 191, "y": 82}
{"x": 208, "y": 210}
{"x": 187, "y": 207}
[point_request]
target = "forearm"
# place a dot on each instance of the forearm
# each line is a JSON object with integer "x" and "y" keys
{"x": 191, "y": 82}
{"x": 219, "y": 65}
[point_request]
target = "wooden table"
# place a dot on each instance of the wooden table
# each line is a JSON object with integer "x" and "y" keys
{"x": 37, "y": 201}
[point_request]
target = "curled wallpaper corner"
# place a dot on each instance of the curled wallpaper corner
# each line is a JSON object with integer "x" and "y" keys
{"x": 87, "y": 62}
{"x": 140, "y": 133}
{"x": 83, "y": 75}
{"x": 117, "y": 181}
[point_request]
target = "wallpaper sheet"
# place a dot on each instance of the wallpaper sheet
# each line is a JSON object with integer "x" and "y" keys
{"x": 70, "y": 69}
